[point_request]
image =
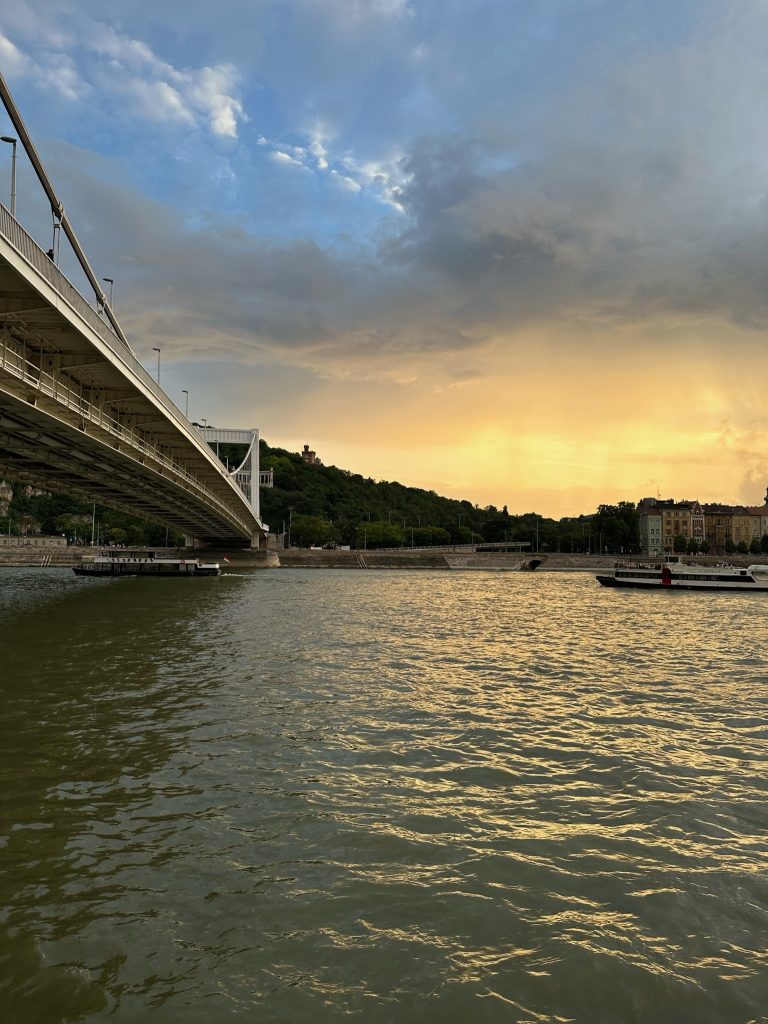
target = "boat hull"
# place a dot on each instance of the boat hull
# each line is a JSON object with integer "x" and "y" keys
{"x": 143, "y": 570}
{"x": 677, "y": 584}
{"x": 142, "y": 562}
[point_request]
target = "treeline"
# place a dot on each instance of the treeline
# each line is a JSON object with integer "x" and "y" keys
{"x": 31, "y": 510}
{"x": 321, "y": 505}
{"x": 757, "y": 546}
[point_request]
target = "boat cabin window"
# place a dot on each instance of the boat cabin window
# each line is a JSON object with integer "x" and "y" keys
{"x": 129, "y": 553}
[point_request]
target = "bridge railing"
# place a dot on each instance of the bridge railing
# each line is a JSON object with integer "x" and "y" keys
{"x": 49, "y": 384}
{"x": 39, "y": 260}
{"x": 28, "y": 248}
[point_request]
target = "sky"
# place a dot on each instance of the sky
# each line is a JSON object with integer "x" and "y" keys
{"x": 514, "y": 251}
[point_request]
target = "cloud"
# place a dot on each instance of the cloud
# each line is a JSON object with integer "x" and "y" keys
{"x": 106, "y": 66}
{"x": 346, "y": 182}
{"x": 639, "y": 198}
{"x": 281, "y": 157}
{"x": 53, "y": 70}
{"x": 159, "y": 101}
{"x": 206, "y": 95}
{"x": 212, "y": 91}
{"x": 13, "y": 60}
{"x": 355, "y": 12}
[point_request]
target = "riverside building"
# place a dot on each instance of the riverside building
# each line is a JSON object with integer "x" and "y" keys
{"x": 681, "y": 519}
{"x": 667, "y": 525}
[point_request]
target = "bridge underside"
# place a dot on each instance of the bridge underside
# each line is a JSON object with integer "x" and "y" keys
{"x": 78, "y": 413}
{"x": 60, "y": 457}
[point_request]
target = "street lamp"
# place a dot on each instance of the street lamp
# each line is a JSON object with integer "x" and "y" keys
{"x": 110, "y": 282}
{"x": 186, "y": 402}
{"x": 10, "y": 139}
{"x": 158, "y": 363}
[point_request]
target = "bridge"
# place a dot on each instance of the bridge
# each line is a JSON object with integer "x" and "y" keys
{"x": 80, "y": 413}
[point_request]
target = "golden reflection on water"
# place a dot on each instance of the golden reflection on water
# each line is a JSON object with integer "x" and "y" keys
{"x": 295, "y": 795}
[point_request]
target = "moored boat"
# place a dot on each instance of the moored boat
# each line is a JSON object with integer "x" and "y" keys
{"x": 122, "y": 562}
{"x": 681, "y": 576}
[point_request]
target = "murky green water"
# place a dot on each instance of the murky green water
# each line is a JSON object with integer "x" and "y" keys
{"x": 302, "y": 796}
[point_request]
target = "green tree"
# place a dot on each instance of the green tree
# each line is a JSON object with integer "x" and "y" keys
{"x": 136, "y": 535}
{"x": 424, "y": 536}
{"x": 742, "y": 548}
{"x": 704, "y": 547}
{"x": 693, "y": 546}
{"x": 65, "y": 524}
{"x": 308, "y": 531}
{"x": 754, "y": 546}
{"x": 764, "y": 544}
{"x": 379, "y": 535}
{"x": 730, "y": 547}
{"x": 617, "y": 525}
{"x": 680, "y": 544}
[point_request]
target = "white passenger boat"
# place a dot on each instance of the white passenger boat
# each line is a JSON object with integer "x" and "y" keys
{"x": 122, "y": 562}
{"x": 681, "y": 576}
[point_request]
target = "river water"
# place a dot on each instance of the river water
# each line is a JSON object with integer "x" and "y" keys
{"x": 400, "y": 796}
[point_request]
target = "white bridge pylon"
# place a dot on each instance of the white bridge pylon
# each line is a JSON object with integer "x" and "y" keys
{"x": 246, "y": 475}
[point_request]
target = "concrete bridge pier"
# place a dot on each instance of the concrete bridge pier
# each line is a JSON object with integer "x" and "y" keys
{"x": 258, "y": 542}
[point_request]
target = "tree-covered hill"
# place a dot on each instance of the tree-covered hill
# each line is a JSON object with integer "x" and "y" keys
{"x": 323, "y": 504}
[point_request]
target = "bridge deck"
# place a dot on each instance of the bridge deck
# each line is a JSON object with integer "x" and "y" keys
{"x": 79, "y": 413}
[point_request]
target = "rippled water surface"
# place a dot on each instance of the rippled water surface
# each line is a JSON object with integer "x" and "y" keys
{"x": 400, "y": 796}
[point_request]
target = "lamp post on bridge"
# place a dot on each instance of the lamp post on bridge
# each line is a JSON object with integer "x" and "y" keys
{"x": 158, "y": 364}
{"x": 11, "y": 141}
{"x": 111, "y": 283}
{"x": 186, "y": 402}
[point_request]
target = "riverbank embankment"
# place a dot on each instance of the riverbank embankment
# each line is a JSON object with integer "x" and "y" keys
{"x": 66, "y": 557}
{"x": 305, "y": 558}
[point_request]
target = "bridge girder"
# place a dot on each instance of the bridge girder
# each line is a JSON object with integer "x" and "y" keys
{"x": 158, "y": 467}
{"x": 99, "y": 471}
